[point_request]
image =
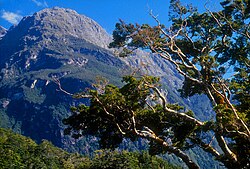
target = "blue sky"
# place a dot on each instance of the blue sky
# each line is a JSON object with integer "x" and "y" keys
{"x": 105, "y": 12}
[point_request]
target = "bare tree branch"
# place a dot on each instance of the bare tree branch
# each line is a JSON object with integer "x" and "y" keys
{"x": 110, "y": 115}
{"x": 179, "y": 114}
{"x": 223, "y": 145}
{"x": 171, "y": 149}
{"x": 232, "y": 28}
{"x": 237, "y": 133}
{"x": 206, "y": 147}
{"x": 232, "y": 108}
{"x": 211, "y": 13}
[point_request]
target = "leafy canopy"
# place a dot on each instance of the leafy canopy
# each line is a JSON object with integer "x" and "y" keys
{"x": 211, "y": 51}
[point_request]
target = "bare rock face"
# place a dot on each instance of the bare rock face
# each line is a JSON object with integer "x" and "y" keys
{"x": 51, "y": 38}
{"x": 69, "y": 22}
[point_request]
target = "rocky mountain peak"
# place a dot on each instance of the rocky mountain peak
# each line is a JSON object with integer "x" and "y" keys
{"x": 49, "y": 33}
{"x": 69, "y": 22}
{"x": 53, "y": 23}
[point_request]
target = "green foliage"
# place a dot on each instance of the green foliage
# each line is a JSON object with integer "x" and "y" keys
{"x": 33, "y": 95}
{"x": 112, "y": 110}
{"x": 17, "y": 151}
{"x": 131, "y": 96}
{"x": 131, "y": 160}
{"x": 4, "y": 119}
{"x": 204, "y": 48}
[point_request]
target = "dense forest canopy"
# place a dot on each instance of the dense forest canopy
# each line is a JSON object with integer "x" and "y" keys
{"x": 18, "y": 151}
{"x": 204, "y": 48}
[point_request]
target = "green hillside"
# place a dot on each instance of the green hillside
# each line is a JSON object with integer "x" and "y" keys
{"x": 17, "y": 151}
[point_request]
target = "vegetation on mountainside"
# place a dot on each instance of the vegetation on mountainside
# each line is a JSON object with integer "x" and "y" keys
{"x": 29, "y": 100}
{"x": 17, "y": 151}
{"x": 203, "y": 47}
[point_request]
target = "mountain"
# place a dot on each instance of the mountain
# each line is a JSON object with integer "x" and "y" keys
{"x": 52, "y": 44}
{"x": 3, "y": 31}
{"x": 58, "y": 45}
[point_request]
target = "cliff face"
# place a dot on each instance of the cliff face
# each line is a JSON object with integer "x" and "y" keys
{"x": 59, "y": 44}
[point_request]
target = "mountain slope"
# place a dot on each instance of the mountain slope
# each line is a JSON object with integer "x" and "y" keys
{"x": 21, "y": 152}
{"x": 59, "y": 44}
{"x": 18, "y": 151}
{"x": 40, "y": 49}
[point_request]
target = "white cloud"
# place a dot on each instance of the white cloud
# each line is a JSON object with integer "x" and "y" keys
{"x": 11, "y": 17}
{"x": 41, "y": 4}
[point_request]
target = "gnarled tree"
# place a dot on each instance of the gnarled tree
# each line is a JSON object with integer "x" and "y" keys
{"x": 203, "y": 47}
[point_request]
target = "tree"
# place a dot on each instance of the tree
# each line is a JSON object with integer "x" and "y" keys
{"x": 123, "y": 159}
{"x": 204, "y": 48}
